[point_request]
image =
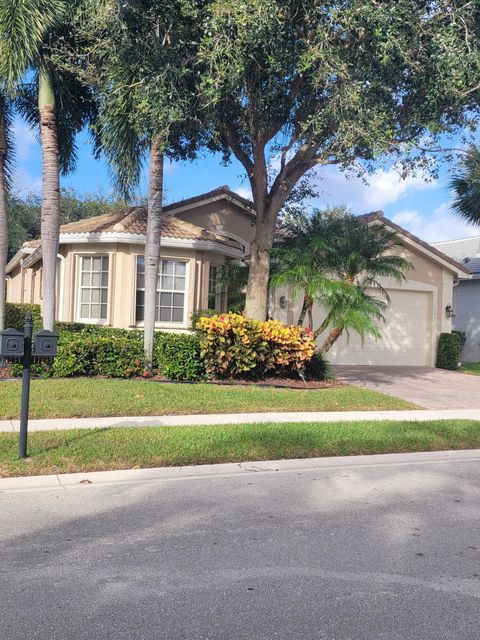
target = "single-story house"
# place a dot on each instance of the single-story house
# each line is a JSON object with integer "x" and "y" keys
{"x": 466, "y": 294}
{"x": 101, "y": 276}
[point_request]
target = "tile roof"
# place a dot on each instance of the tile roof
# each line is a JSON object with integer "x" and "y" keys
{"x": 134, "y": 221}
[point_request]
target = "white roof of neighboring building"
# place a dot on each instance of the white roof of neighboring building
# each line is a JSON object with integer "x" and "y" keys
{"x": 465, "y": 250}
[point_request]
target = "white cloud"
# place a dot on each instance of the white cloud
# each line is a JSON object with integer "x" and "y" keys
{"x": 381, "y": 188}
{"x": 244, "y": 192}
{"x": 24, "y": 183}
{"x": 439, "y": 225}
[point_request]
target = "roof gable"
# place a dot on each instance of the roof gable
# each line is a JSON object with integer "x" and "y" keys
{"x": 432, "y": 251}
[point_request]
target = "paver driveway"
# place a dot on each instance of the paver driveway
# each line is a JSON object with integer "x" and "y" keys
{"x": 429, "y": 388}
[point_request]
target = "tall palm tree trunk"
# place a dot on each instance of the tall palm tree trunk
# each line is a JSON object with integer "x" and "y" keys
{"x": 50, "y": 213}
{"x": 3, "y": 214}
{"x": 152, "y": 245}
{"x": 330, "y": 340}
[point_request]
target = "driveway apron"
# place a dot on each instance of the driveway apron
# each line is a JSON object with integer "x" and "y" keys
{"x": 427, "y": 387}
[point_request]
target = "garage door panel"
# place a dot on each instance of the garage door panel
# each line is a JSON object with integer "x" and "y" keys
{"x": 405, "y": 335}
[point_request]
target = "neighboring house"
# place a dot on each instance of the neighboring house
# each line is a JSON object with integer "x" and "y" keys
{"x": 466, "y": 294}
{"x": 101, "y": 269}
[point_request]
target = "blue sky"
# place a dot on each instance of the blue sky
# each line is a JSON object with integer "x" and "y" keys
{"x": 420, "y": 206}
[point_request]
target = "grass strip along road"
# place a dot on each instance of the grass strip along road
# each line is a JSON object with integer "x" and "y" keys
{"x": 125, "y": 448}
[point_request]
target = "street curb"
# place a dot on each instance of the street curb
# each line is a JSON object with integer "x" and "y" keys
{"x": 420, "y": 415}
{"x": 94, "y": 479}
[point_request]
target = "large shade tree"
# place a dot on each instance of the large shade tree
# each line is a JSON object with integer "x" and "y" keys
{"x": 52, "y": 100}
{"x": 294, "y": 85}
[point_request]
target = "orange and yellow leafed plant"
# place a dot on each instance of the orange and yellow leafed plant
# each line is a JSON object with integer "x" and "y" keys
{"x": 234, "y": 346}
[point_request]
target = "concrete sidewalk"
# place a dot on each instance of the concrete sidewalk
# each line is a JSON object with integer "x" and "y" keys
{"x": 239, "y": 418}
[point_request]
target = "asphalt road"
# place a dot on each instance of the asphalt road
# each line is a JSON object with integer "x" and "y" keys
{"x": 357, "y": 553}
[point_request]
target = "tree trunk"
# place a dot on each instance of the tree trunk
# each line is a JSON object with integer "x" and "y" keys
{"x": 3, "y": 214}
{"x": 152, "y": 246}
{"x": 303, "y": 312}
{"x": 330, "y": 340}
{"x": 256, "y": 303}
{"x": 50, "y": 213}
{"x": 310, "y": 313}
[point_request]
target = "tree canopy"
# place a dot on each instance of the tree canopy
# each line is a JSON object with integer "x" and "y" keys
{"x": 299, "y": 84}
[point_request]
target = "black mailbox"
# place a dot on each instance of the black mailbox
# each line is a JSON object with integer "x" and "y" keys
{"x": 11, "y": 344}
{"x": 45, "y": 344}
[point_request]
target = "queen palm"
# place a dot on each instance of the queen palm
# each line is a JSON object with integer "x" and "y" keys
{"x": 338, "y": 263}
{"x": 143, "y": 76}
{"x": 52, "y": 99}
{"x": 465, "y": 186}
{"x": 5, "y": 167}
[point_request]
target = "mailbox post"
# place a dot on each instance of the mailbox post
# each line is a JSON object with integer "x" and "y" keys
{"x": 26, "y": 374}
{"x": 27, "y": 348}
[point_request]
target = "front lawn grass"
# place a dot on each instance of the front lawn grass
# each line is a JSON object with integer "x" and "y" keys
{"x": 470, "y": 367}
{"x": 117, "y": 448}
{"x": 86, "y": 397}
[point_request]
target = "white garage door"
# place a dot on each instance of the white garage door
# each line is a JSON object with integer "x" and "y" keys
{"x": 405, "y": 335}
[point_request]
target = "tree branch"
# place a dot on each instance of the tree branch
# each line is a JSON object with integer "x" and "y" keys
{"x": 239, "y": 153}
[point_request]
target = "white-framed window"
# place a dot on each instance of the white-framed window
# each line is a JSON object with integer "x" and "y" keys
{"x": 93, "y": 288}
{"x": 214, "y": 287}
{"x": 171, "y": 288}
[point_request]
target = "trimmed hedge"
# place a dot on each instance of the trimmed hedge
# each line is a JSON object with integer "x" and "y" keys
{"x": 15, "y": 315}
{"x": 177, "y": 356}
{"x": 462, "y": 336}
{"x": 86, "y": 353}
{"x": 448, "y": 354}
{"x": 118, "y": 353}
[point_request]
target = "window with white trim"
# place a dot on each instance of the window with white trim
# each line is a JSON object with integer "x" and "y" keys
{"x": 214, "y": 288}
{"x": 171, "y": 287}
{"x": 93, "y": 288}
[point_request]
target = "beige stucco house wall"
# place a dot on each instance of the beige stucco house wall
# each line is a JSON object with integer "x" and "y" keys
{"x": 198, "y": 236}
{"x": 415, "y": 318}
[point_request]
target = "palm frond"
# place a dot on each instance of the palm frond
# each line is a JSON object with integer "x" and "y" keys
{"x": 24, "y": 25}
{"x": 7, "y": 114}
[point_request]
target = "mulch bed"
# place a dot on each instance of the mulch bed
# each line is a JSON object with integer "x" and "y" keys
{"x": 283, "y": 383}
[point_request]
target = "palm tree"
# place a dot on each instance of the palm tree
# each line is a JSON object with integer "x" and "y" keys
{"x": 336, "y": 259}
{"x": 299, "y": 258}
{"x": 143, "y": 77}
{"x": 54, "y": 101}
{"x": 6, "y": 152}
{"x": 466, "y": 188}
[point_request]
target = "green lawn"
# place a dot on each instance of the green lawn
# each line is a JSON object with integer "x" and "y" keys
{"x": 470, "y": 367}
{"x": 85, "y": 397}
{"x": 100, "y": 449}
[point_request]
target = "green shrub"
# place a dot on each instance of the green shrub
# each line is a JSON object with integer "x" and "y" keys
{"x": 235, "y": 347}
{"x": 448, "y": 354}
{"x": 15, "y": 315}
{"x": 114, "y": 356}
{"x": 318, "y": 368}
{"x": 177, "y": 356}
{"x": 462, "y": 336}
